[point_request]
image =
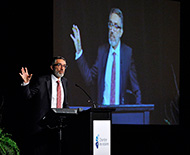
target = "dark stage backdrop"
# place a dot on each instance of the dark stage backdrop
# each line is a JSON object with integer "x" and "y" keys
{"x": 151, "y": 28}
{"x": 26, "y": 36}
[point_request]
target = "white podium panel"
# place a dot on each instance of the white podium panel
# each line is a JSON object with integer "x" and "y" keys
{"x": 101, "y": 137}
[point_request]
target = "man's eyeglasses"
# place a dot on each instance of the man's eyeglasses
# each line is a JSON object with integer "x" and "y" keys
{"x": 60, "y": 65}
{"x": 115, "y": 26}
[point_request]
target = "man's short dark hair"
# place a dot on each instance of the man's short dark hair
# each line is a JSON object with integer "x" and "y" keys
{"x": 57, "y": 57}
{"x": 118, "y": 12}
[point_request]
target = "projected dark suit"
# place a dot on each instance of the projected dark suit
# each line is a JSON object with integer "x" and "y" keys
{"x": 127, "y": 71}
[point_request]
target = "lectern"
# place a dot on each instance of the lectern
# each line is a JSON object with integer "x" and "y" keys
{"x": 82, "y": 131}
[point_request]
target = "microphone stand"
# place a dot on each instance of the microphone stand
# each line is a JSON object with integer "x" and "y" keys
{"x": 90, "y": 99}
{"x": 132, "y": 93}
{"x": 177, "y": 89}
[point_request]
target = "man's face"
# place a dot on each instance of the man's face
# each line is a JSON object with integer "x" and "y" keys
{"x": 115, "y": 30}
{"x": 59, "y": 68}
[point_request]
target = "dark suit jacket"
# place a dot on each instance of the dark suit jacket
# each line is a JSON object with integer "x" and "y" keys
{"x": 127, "y": 72}
{"x": 41, "y": 93}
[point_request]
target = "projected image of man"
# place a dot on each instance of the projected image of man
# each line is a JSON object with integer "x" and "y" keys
{"x": 114, "y": 67}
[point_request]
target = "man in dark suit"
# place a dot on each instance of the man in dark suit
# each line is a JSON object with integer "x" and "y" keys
{"x": 114, "y": 67}
{"x": 48, "y": 92}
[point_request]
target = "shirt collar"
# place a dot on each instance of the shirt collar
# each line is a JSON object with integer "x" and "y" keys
{"x": 54, "y": 78}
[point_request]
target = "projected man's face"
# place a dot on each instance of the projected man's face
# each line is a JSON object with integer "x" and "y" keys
{"x": 115, "y": 30}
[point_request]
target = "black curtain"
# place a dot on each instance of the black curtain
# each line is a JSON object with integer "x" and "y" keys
{"x": 26, "y": 36}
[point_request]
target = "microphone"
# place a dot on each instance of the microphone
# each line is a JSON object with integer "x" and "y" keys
{"x": 132, "y": 93}
{"x": 90, "y": 99}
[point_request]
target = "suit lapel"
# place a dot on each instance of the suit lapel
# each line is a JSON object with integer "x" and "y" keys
{"x": 122, "y": 67}
{"x": 49, "y": 87}
{"x": 64, "y": 89}
{"x": 63, "y": 84}
{"x": 122, "y": 60}
{"x": 105, "y": 57}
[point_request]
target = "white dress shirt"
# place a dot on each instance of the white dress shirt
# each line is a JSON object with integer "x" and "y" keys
{"x": 107, "y": 89}
{"x": 54, "y": 92}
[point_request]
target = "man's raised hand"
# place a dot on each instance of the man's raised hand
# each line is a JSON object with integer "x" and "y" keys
{"x": 76, "y": 38}
{"x": 25, "y": 76}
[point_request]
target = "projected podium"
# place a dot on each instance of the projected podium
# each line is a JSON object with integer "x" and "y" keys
{"x": 132, "y": 114}
{"x": 82, "y": 132}
{"x": 129, "y": 114}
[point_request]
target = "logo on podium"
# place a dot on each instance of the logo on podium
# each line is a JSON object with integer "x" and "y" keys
{"x": 101, "y": 137}
{"x": 97, "y": 142}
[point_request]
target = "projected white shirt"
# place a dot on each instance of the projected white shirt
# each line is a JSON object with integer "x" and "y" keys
{"x": 107, "y": 90}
